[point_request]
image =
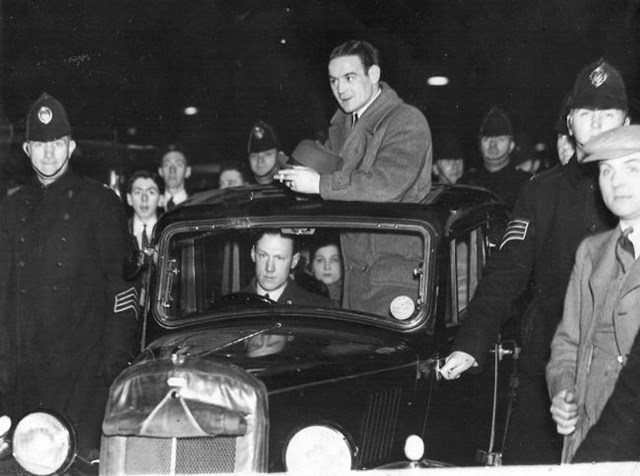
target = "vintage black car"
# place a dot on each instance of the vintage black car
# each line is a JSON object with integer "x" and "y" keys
{"x": 230, "y": 381}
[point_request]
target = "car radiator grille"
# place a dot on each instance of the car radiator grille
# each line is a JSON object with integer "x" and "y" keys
{"x": 180, "y": 455}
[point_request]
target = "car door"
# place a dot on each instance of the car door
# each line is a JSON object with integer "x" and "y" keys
{"x": 467, "y": 415}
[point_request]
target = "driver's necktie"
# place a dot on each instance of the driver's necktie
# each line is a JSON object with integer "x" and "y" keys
{"x": 145, "y": 238}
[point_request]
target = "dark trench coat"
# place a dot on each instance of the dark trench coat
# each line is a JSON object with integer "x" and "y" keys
{"x": 67, "y": 316}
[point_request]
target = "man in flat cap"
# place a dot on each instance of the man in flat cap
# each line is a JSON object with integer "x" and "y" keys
{"x": 554, "y": 212}
{"x": 385, "y": 149}
{"x": 496, "y": 146}
{"x": 602, "y": 306}
{"x": 265, "y": 155}
{"x": 67, "y": 317}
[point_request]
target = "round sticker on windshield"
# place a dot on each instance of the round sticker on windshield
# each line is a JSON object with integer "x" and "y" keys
{"x": 402, "y": 307}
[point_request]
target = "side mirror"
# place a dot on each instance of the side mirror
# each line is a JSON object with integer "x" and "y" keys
{"x": 134, "y": 265}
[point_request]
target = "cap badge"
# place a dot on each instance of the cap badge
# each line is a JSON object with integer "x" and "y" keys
{"x": 258, "y": 132}
{"x": 45, "y": 115}
{"x": 598, "y": 76}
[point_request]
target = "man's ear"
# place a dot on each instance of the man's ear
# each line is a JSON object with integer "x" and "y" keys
{"x": 160, "y": 173}
{"x": 570, "y": 124}
{"x": 187, "y": 172}
{"x": 627, "y": 121}
{"x": 25, "y": 147}
{"x": 129, "y": 200}
{"x": 374, "y": 73}
{"x": 294, "y": 260}
{"x": 253, "y": 253}
{"x": 72, "y": 146}
{"x": 512, "y": 146}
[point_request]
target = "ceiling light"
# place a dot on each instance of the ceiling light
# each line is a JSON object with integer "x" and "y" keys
{"x": 437, "y": 81}
{"x": 190, "y": 111}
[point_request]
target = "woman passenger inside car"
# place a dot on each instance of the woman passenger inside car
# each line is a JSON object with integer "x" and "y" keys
{"x": 326, "y": 266}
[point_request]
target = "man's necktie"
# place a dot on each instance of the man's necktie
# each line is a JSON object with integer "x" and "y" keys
{"x": 145, "y": 238}
{"x": 625, "y": 242}
{"x": 354, "y": 119}
{"x": 171, "y": 204}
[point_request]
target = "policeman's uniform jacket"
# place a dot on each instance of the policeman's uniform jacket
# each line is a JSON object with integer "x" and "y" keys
{"x": 506, "y": 183}
{"x": 553, "y": 213}
{"x": 65, "y": 308}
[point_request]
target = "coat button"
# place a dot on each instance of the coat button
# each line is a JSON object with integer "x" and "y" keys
{"x": 23, "y": 291}
{"x": 66, "y": 217}
{"x": 21, "y": 239}
{"x": 59, "y": 264}
{"x": 63, "y": 239}
{"x": 592, "y": 227}
{"x": 21, "y": 264}
{"x": 54, "y": 288}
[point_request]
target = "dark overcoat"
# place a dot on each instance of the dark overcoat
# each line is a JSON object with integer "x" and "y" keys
{"x": 554, "y": 212}
{"x": 67, "y": 316}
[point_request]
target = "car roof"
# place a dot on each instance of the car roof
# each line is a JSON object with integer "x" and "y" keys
{"x": 443, "y": 206}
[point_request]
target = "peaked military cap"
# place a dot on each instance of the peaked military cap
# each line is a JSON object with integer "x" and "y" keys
{"x": 47, "y": 120}
{"x": 262, "y": 137}
{"x": 614, "y": 144}
{"x": 599, "y": 86}
{"x": 496, "y": 123}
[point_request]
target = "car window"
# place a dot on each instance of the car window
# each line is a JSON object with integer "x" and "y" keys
{"x": 468, "y": 256}
{"x": 378, "y": 271}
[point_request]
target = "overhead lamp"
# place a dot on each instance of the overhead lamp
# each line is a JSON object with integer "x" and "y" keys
{"x": 190, "y": 111}
{"x": 437, "y": 81}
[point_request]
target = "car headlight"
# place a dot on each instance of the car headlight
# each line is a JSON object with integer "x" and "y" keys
{"x": 43, "y": 443}
{"x": 320, "y": 449}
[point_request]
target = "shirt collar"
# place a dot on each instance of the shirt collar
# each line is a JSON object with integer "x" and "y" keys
{"x": 178, "y": 197}
{"x": 138, "y": 225}
{"x": 361, "y": 111}
{"x": 273, "y": 295}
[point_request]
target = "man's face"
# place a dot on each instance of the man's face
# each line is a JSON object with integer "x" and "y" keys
{"x": 350, "y": 84}
{"x": 174, "y": 169}
{"x": 50, "y": 158}
{"x": 144, "y": 198}
{"x": 449, "y": 170}
{"x": 230, "y": 178}
{"x": 565, "y": 148}
{"x": 584, "y": 124}
{"x": 495, "y": 151}
{"x": 620, "y": 186}
{"x": 263, "y": 163}
{"x": 274, "y": 259}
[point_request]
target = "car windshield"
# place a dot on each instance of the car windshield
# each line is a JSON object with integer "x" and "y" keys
{"x": 375, "y": 271}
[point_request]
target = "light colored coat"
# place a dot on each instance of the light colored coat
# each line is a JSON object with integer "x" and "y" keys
{"x": 386, "y": 156}
{"x": 594, "y": 272}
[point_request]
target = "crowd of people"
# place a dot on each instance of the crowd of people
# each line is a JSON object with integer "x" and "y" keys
{"x": 68, "y": 319}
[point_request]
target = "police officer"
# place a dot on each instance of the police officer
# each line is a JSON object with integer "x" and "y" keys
{"x": 496, "y": 145}
{"x": 265, "y": 156}
{"x": 553, "y": 213}
{"x": 67, "y": 317}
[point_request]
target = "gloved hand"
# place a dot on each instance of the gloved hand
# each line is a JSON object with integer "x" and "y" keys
{"x": 456, "y": 363}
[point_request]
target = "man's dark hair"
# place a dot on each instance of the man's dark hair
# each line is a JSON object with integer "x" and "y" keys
{"x": 276, "y": 231}
{"x": 368, "y": 54}
{"x": 175, "y": 147}
{"x": 145, "y": 175}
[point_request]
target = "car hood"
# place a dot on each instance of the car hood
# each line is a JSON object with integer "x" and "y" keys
{"x": 288, "y": 356}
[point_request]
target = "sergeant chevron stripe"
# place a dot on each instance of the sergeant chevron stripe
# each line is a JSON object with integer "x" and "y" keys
{"x": 516, "y": 230}
{"x": 125, "y": 300}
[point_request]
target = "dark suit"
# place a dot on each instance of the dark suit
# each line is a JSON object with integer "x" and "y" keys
{"x": 294, "y": 295}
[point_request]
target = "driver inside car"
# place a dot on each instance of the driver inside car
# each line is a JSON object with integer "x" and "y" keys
{"x": 275, "y": 256}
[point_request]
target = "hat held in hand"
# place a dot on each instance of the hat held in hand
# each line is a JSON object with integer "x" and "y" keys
{"x": 311, "y": 154}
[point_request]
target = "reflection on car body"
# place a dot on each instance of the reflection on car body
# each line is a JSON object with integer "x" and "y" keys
{"x": 231, "y": 382}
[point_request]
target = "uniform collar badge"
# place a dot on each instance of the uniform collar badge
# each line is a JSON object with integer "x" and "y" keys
{"x": 598, "y": 76}
{"x": 45, "y": 115}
